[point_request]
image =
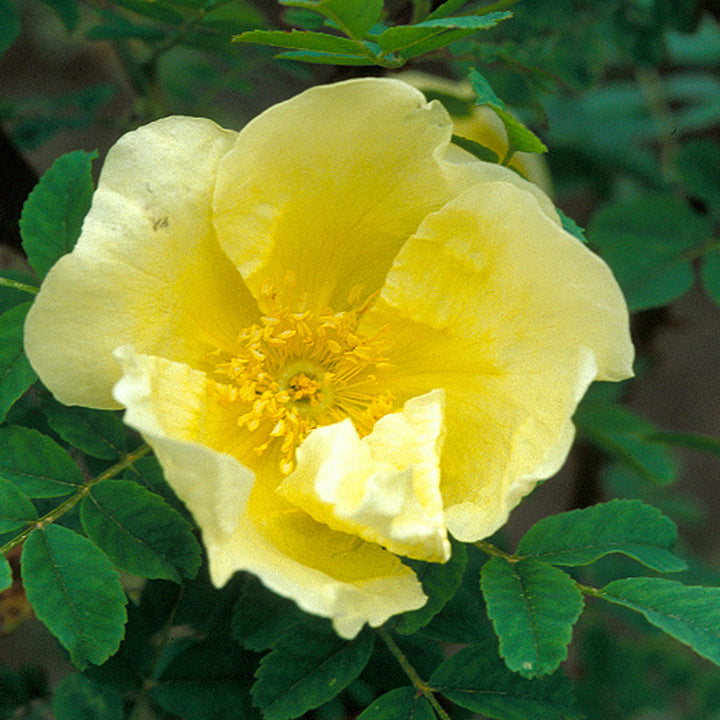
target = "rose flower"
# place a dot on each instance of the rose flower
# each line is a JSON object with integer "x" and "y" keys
{"x": 343, "y": 337}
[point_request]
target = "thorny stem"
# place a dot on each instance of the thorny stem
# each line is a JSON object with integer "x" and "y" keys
{"x": 418, "y": 683}
{"x": 15, "y": 285}
{"x": 50, "y": 517}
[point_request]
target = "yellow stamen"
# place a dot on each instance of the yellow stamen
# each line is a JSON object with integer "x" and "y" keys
{"x": 298, "y": 370}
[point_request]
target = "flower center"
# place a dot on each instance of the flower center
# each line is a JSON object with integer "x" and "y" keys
{"x": 297, "y": 370}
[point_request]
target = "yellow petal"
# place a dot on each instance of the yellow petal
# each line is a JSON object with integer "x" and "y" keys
{"x": 330, "y": 184}
{"x": 481, "y": 124}
{"x": 245, "y": 524}
{"x": 385, "y": 488}
{"x": 146, "y": 270}
{"x": 513, "y": 317}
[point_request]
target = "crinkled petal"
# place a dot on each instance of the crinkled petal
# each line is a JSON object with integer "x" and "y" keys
{"x": 385, "y": 487}
{"x": 513, "y": 317}
{"x": 147, "y": 269}
{"x": 246, "y": 525}
{"x": 338, "y": 178}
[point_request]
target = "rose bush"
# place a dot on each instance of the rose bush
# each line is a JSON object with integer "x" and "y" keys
{"x": 343, "y": 337}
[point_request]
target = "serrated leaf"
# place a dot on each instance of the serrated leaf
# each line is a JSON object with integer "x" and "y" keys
{"x": 533, "y": 607}
{"x": 9, "y": 24}
{"x": 139, "y": 532}
{"x": 440, "y": 581}
{"x": 424, "y": 37}
{"x": 74, "y": 589}
{"x": 690, "y": 614}
{"x": 648, "y": 242}
{"x": 309, "y": 666}
{"x": 99, "y": 433}
{"x": 36, "y": 464}
{"x": 67, "y": 11}
{"x": 16, "y": 510}
{"x": 475, "y": 678}
{"x": 322, "y": 58}
{"x": 710, "y": 274}
{"x": 300, "y": 40}
{"x": 520, "y": 138}
{"x": 581, "y": 537}
{"x": 628, "y": 437}
{"x": 479, "y": 151}
{"x": 54, "y": 211}
{"x": 261, "y": 617}
{"x": 208, "y": 680}
{"x": 6, "y": 576}
{"x": 79, "y": 698}
{"x": 400, "y": 704}
{"x": 16, "y": 374}
{"x": 698, "y": 163}
{"x": 353, "y": 17}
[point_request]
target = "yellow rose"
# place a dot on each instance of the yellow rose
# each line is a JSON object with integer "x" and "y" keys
{"x": 480, "y": 124}
{"x": 342, "y": 336}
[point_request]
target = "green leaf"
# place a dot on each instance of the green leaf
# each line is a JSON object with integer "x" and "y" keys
{"x": 67, "y": 11}
{"x": 75, "y": 591}
{"x": 139, "y": 532}
{"x": 400, "y": 704}
{"x": 698, "y": 164}
{"x": 99, "y": 433}
{"x": 519, "y": 137}
{"x": 353, "y": 17}
{"x": 155, "y": 10}
{"x": 476, "y": 679}
{"x": 447, "y": 8}
{"x": 309, "y": 666}
{"x": 16, "y": 510}
{"x": 440, "y": 581}
{"x": 35, "y": 464}
{"x": 208, "y": 680}
{"x": 9, "y": 24}
{"x": 6, "y": 576}
{"x": 16, "y": 375}
{"x": 322, "y": 58}
{"x": 261, "y": 617}
{"x": 479, "y": 151}
{"x": 533, "y": 607}
{"x": 80, "y": 698}
{"x": 628, "y": 437}
{"x": 571, "y": 226}
{"x": 648, "y": 243}
{"x": 710, "y": 274}
{"x": 300, "y": 40}
{"x": 690, "y": 614}
{"x": 54, "y": 211}
{"x": 581, "y": 537}
{"x": 424, "y": 37}
{"x": 692, "y": 441}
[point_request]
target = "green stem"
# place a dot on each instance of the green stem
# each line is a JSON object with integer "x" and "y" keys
{"x": 418, "y": 683}
{"x": 15, "y": 285}
{"x": 125, "y": 462}
{"x": 493, "y": 551}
